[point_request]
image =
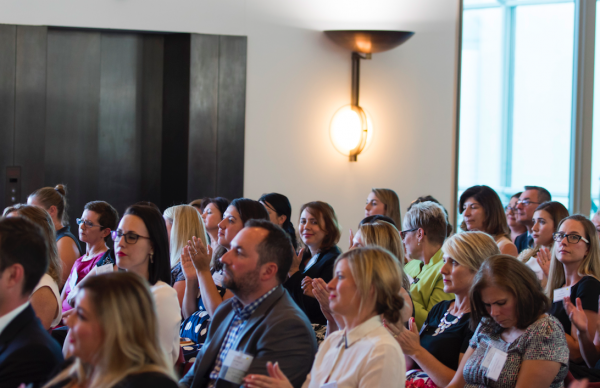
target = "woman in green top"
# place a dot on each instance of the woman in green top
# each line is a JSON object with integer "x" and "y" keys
{"x": 425, "y": 230}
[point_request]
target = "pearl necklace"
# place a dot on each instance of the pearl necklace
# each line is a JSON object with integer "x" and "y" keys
{"x": 444, "y": 324}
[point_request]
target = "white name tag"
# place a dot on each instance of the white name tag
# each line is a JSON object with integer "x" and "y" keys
{"x": 106, "y": 268}
{"x": 329, "y": 385}
{"x": 496, "y": 365}
{"x": 73, "y": 279}
{"x": 488, "y": 357}
{"x": 561, "y": 293}
{"x": 235, "y": 366}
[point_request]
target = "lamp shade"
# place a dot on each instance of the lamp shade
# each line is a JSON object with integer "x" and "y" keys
{"x": 369, "y": 41}
{"x": 351, "y": 130}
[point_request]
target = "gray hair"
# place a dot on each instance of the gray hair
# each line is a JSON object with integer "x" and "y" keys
{"x": 430, "y": 217}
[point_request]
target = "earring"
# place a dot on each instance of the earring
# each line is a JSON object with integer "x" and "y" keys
{"x": 418, "y": 242}
{"x": 151, "y": 254}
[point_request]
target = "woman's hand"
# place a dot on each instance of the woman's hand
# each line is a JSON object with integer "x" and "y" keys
{"x": 543, "y": 258}
{"x": 408, "y": 339}
{"x": 307, "y": 286}
{"x": 322, "y": 295}
{"x": 576, "y": 314}
{"x": 276, "y": 380}
{"x": 199, "y": 254}
{"x": 189, "y": 271}
{"x": 296, "y": 262}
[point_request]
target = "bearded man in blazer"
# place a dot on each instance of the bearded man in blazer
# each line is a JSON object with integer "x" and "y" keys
{"x": 27, "y": 352}
{"x": 261, "y": 322}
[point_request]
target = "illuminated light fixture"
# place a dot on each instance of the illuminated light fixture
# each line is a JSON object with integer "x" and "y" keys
{"x": 351, "y": 129}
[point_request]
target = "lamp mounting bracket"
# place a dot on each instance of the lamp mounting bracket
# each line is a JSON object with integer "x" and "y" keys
{"x": 356, "y": 57}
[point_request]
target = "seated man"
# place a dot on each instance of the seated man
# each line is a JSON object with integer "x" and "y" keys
{"x": 261, "y": 323}
{"x": 27, "y": 352}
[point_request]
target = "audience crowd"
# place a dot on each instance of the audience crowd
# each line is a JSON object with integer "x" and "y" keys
{"x": 223, "y": 293}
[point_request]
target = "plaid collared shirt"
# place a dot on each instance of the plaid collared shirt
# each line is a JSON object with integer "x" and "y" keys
{"x": 237, "y": 325}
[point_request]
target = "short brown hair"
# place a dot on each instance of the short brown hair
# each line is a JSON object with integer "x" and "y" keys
{"x": 495, "y": 219}
{"x": 507, "y": 272}
{"x": 328, "y": 221}
{"x": 108, "y": 217}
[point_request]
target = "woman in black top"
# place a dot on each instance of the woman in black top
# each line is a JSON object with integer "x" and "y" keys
{"x": 435, "y": 353}
{"x": 574, "y": 273}
{"x": 54, "y": 201}
{"x": 114, "y": 336}
{"x": 319, "y": 232}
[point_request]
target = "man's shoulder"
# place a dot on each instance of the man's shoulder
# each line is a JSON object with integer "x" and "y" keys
{"x": 33, "y": 341}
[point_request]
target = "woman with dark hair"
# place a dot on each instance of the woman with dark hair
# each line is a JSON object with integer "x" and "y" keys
{"x": 280, "y": 212}
{"x": 516, "y": 344}
{"x": 95, "y": 225}
{"x": 482, "y": 210}
{"x": 212, "y": 215}
{"x": 320, "y": 232}
{"x": 546, "y": 219}
{"x": 203, "y": 270}
{"x": 142, "y": 247}
{"x": 54, "y": 201}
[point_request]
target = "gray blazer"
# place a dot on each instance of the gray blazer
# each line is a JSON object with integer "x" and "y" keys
{"x": 277, "y": 331}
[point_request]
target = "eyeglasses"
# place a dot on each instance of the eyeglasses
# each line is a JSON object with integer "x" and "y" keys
{"x": 510, "y": 208}
{"x": 403, "y": 233}
{"x": 527, "y": 202}
{"x": 571, "y": 238}
{"x": 130, "y": 238}
{"x": 87, "y": 223}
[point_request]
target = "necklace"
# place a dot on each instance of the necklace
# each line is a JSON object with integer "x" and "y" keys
{"x": 444, "y": 324}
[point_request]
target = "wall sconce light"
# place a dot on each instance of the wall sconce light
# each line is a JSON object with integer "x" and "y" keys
{"x": 351, "y": 128}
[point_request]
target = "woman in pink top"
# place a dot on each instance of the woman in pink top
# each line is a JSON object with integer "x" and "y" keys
{"x": 95, "y": 225}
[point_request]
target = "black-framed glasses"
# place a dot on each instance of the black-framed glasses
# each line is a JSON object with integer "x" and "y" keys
{"x": 510, "y": 208}
{"x": 403, "y": 232}
{"x": 88, "y": 224}
{"x": 527, "y": 202}
{"x": 130, "y": 238}
{"x": 571, "y": 238}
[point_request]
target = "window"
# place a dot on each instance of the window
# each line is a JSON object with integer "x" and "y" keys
{"x": 516, "y": 96}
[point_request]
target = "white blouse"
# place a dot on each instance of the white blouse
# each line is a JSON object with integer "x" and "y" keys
{"x": 47, "y": 281}
{"x": 365, "y": 357}
{"x": 169, "y": 318}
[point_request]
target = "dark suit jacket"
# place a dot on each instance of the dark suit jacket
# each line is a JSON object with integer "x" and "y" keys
{"x": 522, "y": 242}
{"x": 323, "y": 269}
{"x": 28, "y": 354}
{"x": 277, "y": 331}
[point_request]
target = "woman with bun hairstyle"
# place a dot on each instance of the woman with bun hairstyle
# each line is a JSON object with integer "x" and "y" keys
{"x": 366, "y": 286}
{"x": 280, "y": 212}
{"x": 45, "y": 298}
{"x": 384, "y": 202}
{"x": 54, "y": 201}
{"x": 115, "y": 337}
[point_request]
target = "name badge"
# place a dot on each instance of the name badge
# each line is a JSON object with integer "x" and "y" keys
{"x": 329, "y": 385}
{"x": 494, "y": 362}
{"x": 235, "y": 366}
{"x": 561, "y": 293}
{"x": 106, "y": 268}
{"x": 73, "y": 279}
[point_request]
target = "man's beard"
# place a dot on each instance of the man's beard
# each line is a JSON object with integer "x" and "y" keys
{"x": 244, "y": 286}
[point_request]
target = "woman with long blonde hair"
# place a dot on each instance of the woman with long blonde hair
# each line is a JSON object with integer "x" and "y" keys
{"x": 183, "y": 223}
{"x": 114, "y": 336}
{"x": 574, "y": 274}
{"x": 45, "y": 298}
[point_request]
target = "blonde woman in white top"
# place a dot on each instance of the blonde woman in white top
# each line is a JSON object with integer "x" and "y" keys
{"x": 366, "y": 284}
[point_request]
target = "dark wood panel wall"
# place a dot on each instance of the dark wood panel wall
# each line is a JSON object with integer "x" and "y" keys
{"x": 122, "y": 116}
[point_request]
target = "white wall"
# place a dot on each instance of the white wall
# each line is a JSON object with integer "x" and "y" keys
{"x": 297, "y": 79}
